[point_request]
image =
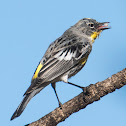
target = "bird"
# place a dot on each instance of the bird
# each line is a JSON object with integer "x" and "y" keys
{"x": 64, "y": 58}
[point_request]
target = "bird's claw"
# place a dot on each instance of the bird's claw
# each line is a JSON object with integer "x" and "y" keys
{"x": 85, "y": 92}
{"x": 60, "y": 105}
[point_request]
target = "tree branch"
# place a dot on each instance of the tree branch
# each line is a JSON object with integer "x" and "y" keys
{"x": 95, "y": 92}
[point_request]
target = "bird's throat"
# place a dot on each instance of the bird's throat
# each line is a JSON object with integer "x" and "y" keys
{"x": 94, "y": 35}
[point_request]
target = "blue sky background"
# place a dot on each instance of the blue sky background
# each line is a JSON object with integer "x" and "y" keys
{"x": 27, "y": 27}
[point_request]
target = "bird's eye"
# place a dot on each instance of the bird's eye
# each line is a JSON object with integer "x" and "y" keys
{"x": 91, "y": 25}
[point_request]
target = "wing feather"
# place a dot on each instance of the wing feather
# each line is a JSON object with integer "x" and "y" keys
{"x": 59, "y": 62}
{"x": 64, "y": 60}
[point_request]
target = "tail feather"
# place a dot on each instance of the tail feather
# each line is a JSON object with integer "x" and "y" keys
{"x": 24, "y": 103}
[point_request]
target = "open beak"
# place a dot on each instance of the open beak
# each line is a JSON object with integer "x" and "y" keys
{"x": 103, "y": 26}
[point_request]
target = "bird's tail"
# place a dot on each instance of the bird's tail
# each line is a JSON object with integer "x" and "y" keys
{"x": 24, "y": 103}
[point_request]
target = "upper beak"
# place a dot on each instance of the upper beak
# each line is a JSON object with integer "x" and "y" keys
{"x": 103, "y": 26}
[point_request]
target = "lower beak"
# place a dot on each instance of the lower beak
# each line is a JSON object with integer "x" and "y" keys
{"x": 103, "y": 26}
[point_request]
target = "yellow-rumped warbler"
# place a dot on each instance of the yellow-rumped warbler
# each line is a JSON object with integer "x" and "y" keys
{"x": 65, "y": 57}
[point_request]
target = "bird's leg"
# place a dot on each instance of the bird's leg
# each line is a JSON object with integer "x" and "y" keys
{"x": 83, "y": 88}
{"x": 54, "y": 87}
{"x": 75, "y": 85}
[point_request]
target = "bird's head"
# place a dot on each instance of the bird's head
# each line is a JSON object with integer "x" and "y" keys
{"x": 91, "y": 27}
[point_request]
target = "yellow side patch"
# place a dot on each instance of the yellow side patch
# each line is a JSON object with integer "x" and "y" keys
{"x": 37, "y": 71}
{"x": 83, "y": 61}
{"x": 94, "y": 35}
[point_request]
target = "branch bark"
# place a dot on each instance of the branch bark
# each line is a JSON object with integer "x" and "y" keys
{"x": 95, "y": 92}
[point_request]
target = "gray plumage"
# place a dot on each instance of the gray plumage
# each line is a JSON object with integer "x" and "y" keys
{"x": 65, "y": 57}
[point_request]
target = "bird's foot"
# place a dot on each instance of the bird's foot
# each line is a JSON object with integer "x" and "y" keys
{"x": 85, "y": 92}
{"x": 60, "y": 105}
